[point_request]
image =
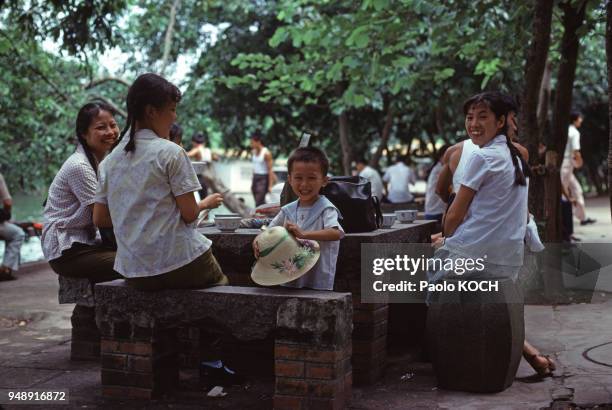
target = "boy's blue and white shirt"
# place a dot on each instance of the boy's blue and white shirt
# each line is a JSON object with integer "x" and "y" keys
{"x": 321, "y": 215}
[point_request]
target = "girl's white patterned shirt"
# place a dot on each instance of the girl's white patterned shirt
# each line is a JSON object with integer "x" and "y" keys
{"x": 67, "y": 216}
{"x": 139, "y": 189}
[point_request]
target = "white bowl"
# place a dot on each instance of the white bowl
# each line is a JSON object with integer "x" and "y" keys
{"x": 388, "y": 220}
{"x": 228, "y": 222}
{"x": 406, "y": 215}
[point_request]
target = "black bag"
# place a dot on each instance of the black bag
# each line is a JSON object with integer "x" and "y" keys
{"x": 353, "y": 198}
{"x": 5, "y": 215}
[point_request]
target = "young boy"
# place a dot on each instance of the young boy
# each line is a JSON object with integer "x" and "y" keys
{"x": 312, "y": 216}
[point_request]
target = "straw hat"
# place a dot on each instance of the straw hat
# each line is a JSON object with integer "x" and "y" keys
{"x": 282, "y": 257}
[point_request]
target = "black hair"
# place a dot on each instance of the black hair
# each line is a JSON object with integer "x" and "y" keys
{"x": 574, "y": 115}
{"x": 199, "y": 138}
{"x": 309, "y": 154}
{"x": 86, "y": 115}
{"x": 258, "y": 136}
{"x": 501, "y": 104}
{"x": 361, "y": 160}
{"x": 176, "y": 133}
{"x": 147, "y": 89}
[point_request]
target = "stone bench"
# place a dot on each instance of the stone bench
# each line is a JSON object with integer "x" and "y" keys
{"x": 311, "y": 332}
{"x": 85, "y": 342}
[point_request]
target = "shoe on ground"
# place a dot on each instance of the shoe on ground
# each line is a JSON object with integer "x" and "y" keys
{"x": 215, "y": 373}
{"x": 6, "y": 274}
{"x": 588, "y": 221}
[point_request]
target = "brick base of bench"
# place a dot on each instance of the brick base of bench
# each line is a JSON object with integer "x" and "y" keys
{"x": 143, "y": 334}
{"x": 309, "y": 378}
{"x": 85, "y": 343}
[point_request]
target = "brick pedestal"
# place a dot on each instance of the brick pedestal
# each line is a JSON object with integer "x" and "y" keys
{"x": 370, "y": 323}
{"x": 85, "y": 343}
{"x": 139, "y": 363}
{"x": 311, "y": 378}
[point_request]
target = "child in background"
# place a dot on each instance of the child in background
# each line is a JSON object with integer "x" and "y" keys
{"x": 312, "y": 216}
{"x": 176, "y": 135}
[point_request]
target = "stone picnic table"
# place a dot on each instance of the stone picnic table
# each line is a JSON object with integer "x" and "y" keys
{"x": 372, "y": 323}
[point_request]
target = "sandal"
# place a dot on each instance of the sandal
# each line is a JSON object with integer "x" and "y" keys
{"x": 542, "y": 370}
{"x": 6, "y": 274}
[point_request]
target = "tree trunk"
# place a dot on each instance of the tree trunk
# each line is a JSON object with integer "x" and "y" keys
{"x": 168, "y": 37}
{"x": 345, "y": 143}
{"x": 534, "y": 70}
{"x": 609, "y": 62}
{"x": 572, "y": 20}
{"x": 384, "y": 138}
{"x": 544, "y": 99}
{"x": 229, "y": 199}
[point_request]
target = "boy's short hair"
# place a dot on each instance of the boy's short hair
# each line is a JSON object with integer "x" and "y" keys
{"x": 309, "y": 154}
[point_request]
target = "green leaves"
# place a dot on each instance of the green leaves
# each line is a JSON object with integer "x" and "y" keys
{"x": 358, "y": 38}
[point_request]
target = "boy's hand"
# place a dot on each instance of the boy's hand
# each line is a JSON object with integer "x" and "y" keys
{"x": 211, "y": 201}
{"x": 256, "y": 250}
{"x": 438, "y": 242}
{"x": 295, "y": 230}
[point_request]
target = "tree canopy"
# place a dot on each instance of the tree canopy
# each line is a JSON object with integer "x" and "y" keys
{"x": 369, "y": 78}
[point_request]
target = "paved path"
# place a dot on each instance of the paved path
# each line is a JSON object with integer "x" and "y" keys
{"x": 35, "y": 334}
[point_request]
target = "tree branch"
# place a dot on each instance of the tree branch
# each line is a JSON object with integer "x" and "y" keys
{"x": 111, "y": 104}
{"x": 168, "y": 37}
{"x": 97, "y": 82}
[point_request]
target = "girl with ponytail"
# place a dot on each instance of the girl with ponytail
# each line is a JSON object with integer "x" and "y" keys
{"x": 146, "y": 192}
{"x": 69, "y": 236}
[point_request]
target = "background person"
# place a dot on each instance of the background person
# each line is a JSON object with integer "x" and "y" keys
{"x": 372, "y": 175}
{"x": 434, "y": 206}
{"x": 573, "y": 159}
{"x": 398, "y": 177}
{"x": 176, "y": 135}
{"x": 200, "y": 152}
{"x": 69, "y": 236}
{"x": 263, "y": 176}
{"x": 11, "y": 234}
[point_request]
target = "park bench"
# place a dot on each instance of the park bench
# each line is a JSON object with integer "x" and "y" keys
{"x": 85, "y": 342}
{"x": 311, "y": 332}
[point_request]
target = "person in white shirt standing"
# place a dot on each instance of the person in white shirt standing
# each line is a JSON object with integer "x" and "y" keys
{"x": 369, "y": 173}
{"x": 573, "y": 159}
{"x": 398, "y": 177}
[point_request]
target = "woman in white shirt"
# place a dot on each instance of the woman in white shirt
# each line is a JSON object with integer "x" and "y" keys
{"x": 145, "y": 192}
{"x": 69, "y": 236}
{"x": 489, "y": 214}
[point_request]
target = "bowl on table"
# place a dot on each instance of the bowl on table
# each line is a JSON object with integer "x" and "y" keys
{"x": 227, "y": 222}
{"x": 388, "y": 220}
{"x": 406, "y": 215}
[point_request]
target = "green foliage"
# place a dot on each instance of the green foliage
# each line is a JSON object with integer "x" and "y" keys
{"x": 280, "y": 65}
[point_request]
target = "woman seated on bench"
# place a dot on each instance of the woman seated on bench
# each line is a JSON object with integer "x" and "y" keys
{"x": 69, "y": 235}
{"x": 146, "y": 191}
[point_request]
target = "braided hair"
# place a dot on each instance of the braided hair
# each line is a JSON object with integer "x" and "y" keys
{"x": 86, "y": 115}
{"x": 147, "y": 89}
{"x": 501, "y": 104}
